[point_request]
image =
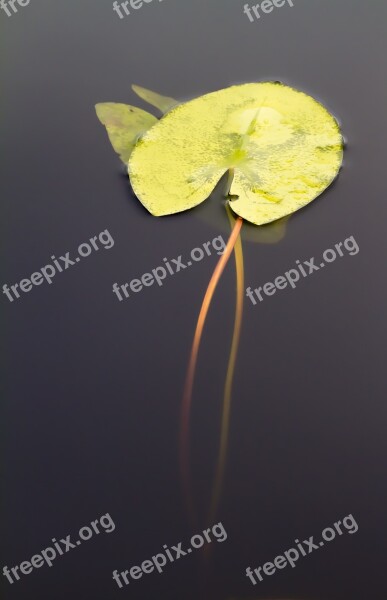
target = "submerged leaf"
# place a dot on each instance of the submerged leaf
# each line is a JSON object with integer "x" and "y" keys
{"x": 163, "y": 103}
{"x": 284, "y": 147}
{"x": 124, "y": 125}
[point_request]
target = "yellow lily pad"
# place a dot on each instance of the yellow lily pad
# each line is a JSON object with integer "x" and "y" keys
{"x": 285, "y": 149}
{"x": 124, "y": 125}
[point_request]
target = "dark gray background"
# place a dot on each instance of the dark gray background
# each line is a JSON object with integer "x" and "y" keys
{"x": 92, "y": 387}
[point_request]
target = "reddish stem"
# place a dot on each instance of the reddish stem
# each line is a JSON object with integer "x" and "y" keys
{"x": 188, "y": 388}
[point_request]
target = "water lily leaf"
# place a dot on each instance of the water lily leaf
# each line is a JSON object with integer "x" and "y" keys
{"x": 213, "y": 213}
{"x": 163, "y": 103}
{"x": 284, "y": 147}
{"x": 124, "y": 125}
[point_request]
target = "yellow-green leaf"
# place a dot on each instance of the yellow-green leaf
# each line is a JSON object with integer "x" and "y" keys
{"x": 124, "y": 125}
{"x": 163, "y": 103}
{"x": 285, "y": 149}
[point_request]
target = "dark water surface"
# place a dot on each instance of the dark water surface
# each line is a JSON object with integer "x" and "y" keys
{"x": 92, "y": 387}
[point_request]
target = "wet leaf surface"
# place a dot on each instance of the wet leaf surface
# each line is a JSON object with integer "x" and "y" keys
{"x": 285, "y": 149}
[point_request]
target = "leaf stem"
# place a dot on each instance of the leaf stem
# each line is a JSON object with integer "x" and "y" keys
{"x": 227, "y": 397}
{"x": 188, "y": 388}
